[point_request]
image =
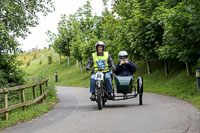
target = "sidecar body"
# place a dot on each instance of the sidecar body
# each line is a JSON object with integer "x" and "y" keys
{"x": 124, "y": 84}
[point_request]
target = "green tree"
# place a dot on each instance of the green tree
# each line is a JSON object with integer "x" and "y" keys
{"x": 63, "y": 42}
{"x": 84, "y": 33}
{"x": 111, "y": 33}
{"x": 10, "y": 74}
{"x": 54, "y": 42}
{"x": 16, "y": 18}
{"x": 141, "y": 33}
{"x": 181, "y": 34}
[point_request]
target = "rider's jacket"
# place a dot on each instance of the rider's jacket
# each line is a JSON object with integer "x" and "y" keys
{"x": 103, "y": 56}
{"x": 100, "y": 61}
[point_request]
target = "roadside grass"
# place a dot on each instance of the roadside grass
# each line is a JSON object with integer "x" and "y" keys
{"x": 19, "y": 115}
{"x": 177, "y": 83}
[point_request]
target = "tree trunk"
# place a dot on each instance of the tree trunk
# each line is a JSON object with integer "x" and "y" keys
{"x": 68, "y": 61}
{"x": 149, "y": 67}
{"x": 166, "y": 68}
{"x": 188, "y": 68}
{"x": 76, "y": 63}
{"x": 81, "y": 66}
{"x": 59, "y": 59}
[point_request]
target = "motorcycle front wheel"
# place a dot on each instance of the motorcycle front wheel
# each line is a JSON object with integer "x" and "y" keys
{"x": 99, "y": 98}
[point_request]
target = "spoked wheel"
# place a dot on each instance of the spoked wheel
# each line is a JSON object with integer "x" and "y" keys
{"x": 99, "y": 99}
{"x": 140, "y": 89}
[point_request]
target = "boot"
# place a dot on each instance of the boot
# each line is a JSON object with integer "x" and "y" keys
{"x": 110, "y": 97}
{"x": 93, "y": 97}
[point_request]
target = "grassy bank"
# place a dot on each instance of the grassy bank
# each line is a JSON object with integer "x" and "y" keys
{"x": 19, "y": 115}
{"x": 176, "y": 84}
{"x": 70, "y": 76}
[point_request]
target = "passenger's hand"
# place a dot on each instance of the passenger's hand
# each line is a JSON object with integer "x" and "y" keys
{"x": 126, "y": 62}
{"x": 121, "y": 62}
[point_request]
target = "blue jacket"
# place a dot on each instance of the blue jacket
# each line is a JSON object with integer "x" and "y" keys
{"x": 125, "y": 69}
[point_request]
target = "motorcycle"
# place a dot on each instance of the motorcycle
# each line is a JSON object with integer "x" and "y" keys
{"x": 126, "y": 89}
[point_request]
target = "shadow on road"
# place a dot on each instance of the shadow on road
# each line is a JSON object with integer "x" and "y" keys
{"x": 120, "y": 105}
{"x": 94, "y": 107}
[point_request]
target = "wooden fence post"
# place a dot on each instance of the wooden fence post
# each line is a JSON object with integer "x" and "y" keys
{"x": 23, "y": 98}
{"x": 41, "y": 92}
{"x": 46, "y": 83}
{"x": 34, "y": 92}
{"x": 6, "y": 104}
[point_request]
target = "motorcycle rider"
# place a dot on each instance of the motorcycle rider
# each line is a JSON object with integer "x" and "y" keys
{"x": 124, "y": 67}
{"x": 101, "y": 59}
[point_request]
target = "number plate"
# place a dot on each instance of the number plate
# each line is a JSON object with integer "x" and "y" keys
{"x": 99, "y": 76}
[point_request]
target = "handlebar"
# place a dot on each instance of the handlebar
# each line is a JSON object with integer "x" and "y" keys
{"x": 99, "y": 69}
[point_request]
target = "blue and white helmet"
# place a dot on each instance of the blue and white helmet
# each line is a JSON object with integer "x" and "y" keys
{"x": 123, "y": 54}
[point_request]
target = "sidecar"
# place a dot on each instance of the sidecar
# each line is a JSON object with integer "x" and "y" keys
{"x": 125, "y": 86}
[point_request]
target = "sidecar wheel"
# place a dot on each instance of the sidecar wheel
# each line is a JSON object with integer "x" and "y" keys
{"x": 140, "y": 99}
{"x": 140, "y": 89}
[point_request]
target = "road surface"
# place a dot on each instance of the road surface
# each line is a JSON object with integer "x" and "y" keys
{"x": 75, "y": 113}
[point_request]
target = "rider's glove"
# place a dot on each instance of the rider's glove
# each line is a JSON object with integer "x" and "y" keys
{"x": 87, "y": 68}
{"x": 114, "y": 68}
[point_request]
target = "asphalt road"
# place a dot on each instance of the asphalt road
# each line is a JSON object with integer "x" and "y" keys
{"x": 75, "y": 113}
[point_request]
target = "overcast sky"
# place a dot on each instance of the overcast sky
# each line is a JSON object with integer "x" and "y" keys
{"x": 38, "y": 36}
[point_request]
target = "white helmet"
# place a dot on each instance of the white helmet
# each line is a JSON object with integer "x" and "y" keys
{"x": 123, "y": 54}
{"x": 100, "y": 43}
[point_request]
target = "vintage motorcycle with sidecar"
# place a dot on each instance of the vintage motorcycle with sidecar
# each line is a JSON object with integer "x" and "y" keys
{"x": 125, "y": 88}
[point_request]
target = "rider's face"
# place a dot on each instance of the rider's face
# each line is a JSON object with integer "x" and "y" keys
{"x": 123, "y": 57}
{"x": 100, "y": 49}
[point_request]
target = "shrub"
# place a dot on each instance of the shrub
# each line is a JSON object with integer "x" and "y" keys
{"x": 34, "y": 56}
{"x": 28, "y": 63}
{"x": 40, "y": 62}
{"x": 49, "y": 59}
{"x": 10, "y": 72}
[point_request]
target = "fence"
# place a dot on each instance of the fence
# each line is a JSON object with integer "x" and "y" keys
{"x": 24, "y": 103}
